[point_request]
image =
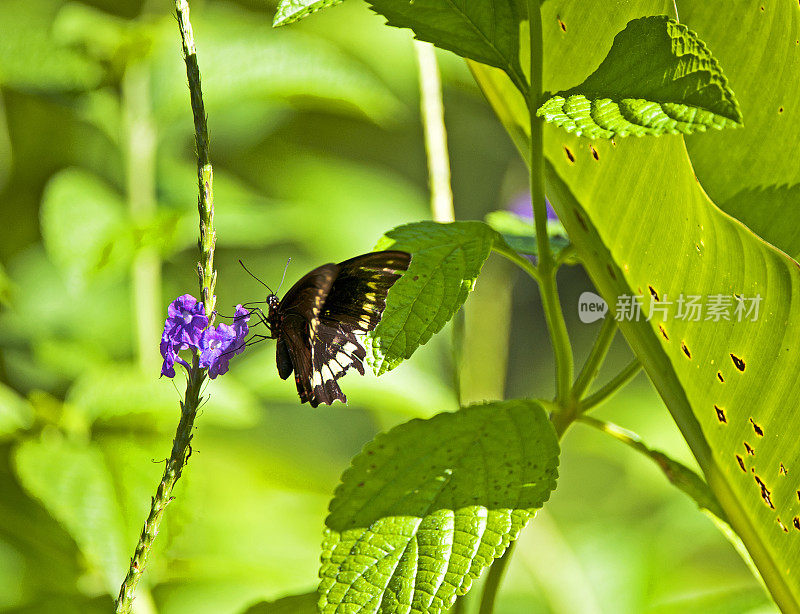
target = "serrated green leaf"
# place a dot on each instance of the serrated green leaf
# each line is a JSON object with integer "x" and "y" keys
{"x": 520, "y": 233}
{"x": 290, "y": 11}
{"x": 82, "y": 222}
{"x": 658, "y": 78}
{"x": 485, "y": 31}
{"x": 428, "y": 505}
{"x": 446, "y": 260}
{"x": 72, "y": 481}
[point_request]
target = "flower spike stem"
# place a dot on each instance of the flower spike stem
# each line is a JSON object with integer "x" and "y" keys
{"x": 181, "y": 445}
{"x": 181, "y": 449}
{"x": 205, "y": 174}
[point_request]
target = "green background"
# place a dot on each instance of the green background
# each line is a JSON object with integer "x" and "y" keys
{"x": 317, "y": 147}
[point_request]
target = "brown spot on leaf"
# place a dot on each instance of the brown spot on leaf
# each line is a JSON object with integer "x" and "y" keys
{"x": 780, "y": 109}
{"x": 782, "y": 526}
{"x": 561, "y": 24}
{"x": 663, "y": 332}
{"x": 653, "y": 293}
{"x": 796, "y": 523}
{"x": 765, "y": 492}
{"x": 741, "y": 463}
{"x": 595, "y": 155}
{"x": 719, "y": 377}
{"x": 737, "y": 362}
{"x": 721, "y": 415}
{"x": 782, "y": 470}
{"x": 749, "y": 449}
{"x": 759, "y": 431}
{"x": 570, "y": 156}
{"x": 686, "y": 350}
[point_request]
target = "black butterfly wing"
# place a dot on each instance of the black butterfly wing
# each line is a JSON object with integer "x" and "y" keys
{"x": 298, "y": 320}
{"x": 353, "y": 307}
{"x": 320, "y": 343}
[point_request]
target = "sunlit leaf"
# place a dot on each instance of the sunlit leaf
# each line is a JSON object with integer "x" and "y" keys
{"x": 658, "y": 78}
{"x": 446, "y": 260}
{"x": 428, "y": 505}
{"x": 520, "y": 233}
{"x": 293, "y": 10}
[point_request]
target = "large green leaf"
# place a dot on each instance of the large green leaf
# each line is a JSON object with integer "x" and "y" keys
{"x": 446, "y": 260}
{"x": 426, "y": 506}
{"x": 753, "y": 173}
{"x": 658, "y": 78}
{"x": 643, "y": 226}
{"x": 74, "y": 484}
{"x": 486, "y": 31}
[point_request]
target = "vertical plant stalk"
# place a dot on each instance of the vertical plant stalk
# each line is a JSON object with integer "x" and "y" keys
{"x": 432, "y": 108}
{"x": 140, "y": 152}
{"x": 205, "y": 174}
{"x": 547, "y": 269}
{"x": 181, "y": 445}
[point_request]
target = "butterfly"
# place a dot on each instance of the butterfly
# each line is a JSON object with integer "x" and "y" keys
{"x": 320, "y": 321}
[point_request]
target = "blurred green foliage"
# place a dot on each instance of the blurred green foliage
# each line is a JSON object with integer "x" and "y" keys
{"x": 317, "y": 150}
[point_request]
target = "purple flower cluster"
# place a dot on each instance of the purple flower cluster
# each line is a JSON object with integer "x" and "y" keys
{"x": 186, "y": 328}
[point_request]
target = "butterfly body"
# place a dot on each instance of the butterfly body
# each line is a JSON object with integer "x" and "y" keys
{"x": 320, "y": 321}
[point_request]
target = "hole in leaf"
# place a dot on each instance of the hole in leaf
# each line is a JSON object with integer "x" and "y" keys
{"x": 663, "y": 332}
{"x": 782, "y": 470}
{"x": 780, "y": 109}
{"x": 796, "y": 523}
{"x": 749, "y": 449}
{"x": 765, "y": 492}
{"x": 719, "y": 377}
{"x": 759, "y": 431}
{"x": 416, "y": 277}
{"x": 686, "y": 350}
{"x": 570, "y": 156}
{"x": 595, "y": 155}
{"x": 782, "y": 526}
{"x": 741, "y": 463}
{"x": 653, "y": 293}
{"x": 721, "y": 415}
{"x": 737, "y": 362}
{"x": 562, "y": 25}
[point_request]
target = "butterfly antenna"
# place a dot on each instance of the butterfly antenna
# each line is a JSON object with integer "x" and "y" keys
{"x": 256, "y": 278}
{"x": 284, "y": 274}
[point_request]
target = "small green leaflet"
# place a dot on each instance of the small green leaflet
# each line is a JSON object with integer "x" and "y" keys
{"x": 658, "y": 78}
{"x": 425, "y": 507}
{"x": 446, "y": 260}
{"x": 290, "y": 11}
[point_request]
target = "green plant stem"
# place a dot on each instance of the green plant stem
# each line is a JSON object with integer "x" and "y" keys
{"x": 175, "y": 464}
{"x": 604, "y": 393}
{"x": 519, "y": 260}
{"x": 205, "y": 175}
{"x": 140, "y": 153}
{"x": 432, "y": 112}
{"x": 595, "y": 359}
{"x": 493, "y": 578}
{"x": 181, "y": 444}
{"x": 547, "y": 269}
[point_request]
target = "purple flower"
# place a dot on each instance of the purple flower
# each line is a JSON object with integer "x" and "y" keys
{"x": 221, "y": 343}
{"x": 183, "y": 329}
{"x": 522, "y": 207}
